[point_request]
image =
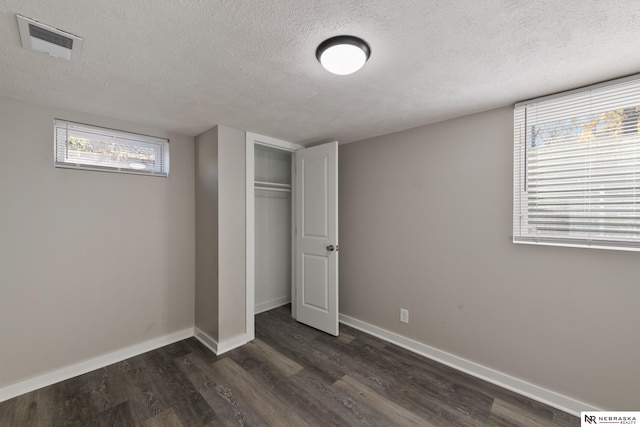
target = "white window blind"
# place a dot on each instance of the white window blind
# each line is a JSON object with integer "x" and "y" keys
{"x": 577, "y": 167}
{"x": 81, "y": 146}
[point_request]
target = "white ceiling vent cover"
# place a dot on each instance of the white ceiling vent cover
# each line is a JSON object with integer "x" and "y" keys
{"x": 43, "y": 38}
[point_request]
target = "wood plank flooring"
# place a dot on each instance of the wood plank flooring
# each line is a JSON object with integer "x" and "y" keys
{"x": 291, "y": 375}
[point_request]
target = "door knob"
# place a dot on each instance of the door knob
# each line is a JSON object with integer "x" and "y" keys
{"x": 330, "y": 248}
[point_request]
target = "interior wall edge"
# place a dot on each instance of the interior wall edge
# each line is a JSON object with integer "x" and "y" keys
{"x": 67, "y": 372}
{"x": 532, "y": 391}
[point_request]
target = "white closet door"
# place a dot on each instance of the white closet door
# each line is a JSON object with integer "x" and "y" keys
{"x": 317, "y": 237}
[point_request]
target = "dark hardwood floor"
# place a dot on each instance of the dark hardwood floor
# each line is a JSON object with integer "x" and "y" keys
{"x": 290, "y": 375}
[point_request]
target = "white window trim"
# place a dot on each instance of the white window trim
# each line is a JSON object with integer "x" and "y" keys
{"x": 159, "y": 145}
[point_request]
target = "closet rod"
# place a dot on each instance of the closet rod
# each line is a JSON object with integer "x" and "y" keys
{"x": 271, "y": 184}
{"x": 283, "y": 190}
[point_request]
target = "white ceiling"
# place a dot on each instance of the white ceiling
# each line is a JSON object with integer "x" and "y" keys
{"x": 187, "y": 65}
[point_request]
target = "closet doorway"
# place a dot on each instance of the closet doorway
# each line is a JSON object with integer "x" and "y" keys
{"x": 273, "y": 211}
{"x": 292, "y": 231}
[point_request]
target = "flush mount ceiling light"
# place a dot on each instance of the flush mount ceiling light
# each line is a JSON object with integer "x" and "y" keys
{"x": 343, "y": 55}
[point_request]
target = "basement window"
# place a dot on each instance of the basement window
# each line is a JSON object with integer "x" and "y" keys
{"x": 577, "y": 167}
{"x": 80, "y": 146}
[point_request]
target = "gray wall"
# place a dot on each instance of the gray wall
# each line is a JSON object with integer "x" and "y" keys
{"x": 232, "y": 232}
{"x": 220, "y": 233}
{"x": 425, "y": 224}
{"x": 90, "y": 262}
{"x": 206, "y": 184}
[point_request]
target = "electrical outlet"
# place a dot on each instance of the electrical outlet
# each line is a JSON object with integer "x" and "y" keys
{"x": 404, "y": 315}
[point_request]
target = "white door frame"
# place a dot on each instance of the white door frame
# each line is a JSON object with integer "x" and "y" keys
{"x": 251, "y": 140}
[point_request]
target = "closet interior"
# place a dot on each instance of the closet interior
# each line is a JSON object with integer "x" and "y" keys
{"x": 273, "y": 227}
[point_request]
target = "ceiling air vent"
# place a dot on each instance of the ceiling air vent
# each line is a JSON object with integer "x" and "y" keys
{"x": 43, "y": 38}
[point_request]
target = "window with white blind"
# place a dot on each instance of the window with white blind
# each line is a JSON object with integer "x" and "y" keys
{"x": 577, "y": 167}
{"x": 80, "y": 146}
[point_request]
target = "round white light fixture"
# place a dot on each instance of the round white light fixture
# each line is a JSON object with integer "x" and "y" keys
{"x": 343, "y": 55}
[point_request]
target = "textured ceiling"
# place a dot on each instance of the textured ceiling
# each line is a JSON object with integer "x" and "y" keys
{"x": 187, "y": 65}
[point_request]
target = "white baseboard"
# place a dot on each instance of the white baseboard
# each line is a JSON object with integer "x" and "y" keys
{"x": 219, "y": 348}
{"x": 206, "y": 340}
{"x": 92, "y": 364}
{"x": 234, "y": 342}
{"x": 516, "y": 385}
{"x": 270, "y": 305}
